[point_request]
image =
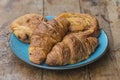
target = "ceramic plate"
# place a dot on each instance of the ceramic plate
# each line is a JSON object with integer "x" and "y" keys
{"x": 20, "y": 49}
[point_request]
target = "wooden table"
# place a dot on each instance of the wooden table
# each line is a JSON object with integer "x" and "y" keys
{"x": 106, "y": 11}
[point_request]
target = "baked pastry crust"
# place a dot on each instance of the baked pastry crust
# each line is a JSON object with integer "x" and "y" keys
{"x": 24, "y": 26}
{"x": 45, "y": 37}
{"x": 81, "y": 22}
{"x": 75, "y": 47}
{"x": 79, "y": 43}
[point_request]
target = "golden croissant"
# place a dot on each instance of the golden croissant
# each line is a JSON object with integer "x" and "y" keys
{"x": 74, "y": 48}
{"x": 45, "y": 37}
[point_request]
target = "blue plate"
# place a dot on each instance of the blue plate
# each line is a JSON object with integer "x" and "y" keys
{"x": 20, "y": 49}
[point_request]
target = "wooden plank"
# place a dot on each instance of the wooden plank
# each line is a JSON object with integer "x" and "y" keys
{"x": 74, "y": 74}
{"x": 11, "y": 68}
{"x": 54, "y": 7}
{"x": 114, "y": 16}
{"x": 106, "y": 68}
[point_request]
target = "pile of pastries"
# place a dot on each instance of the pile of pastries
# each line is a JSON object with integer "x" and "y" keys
{"x": 67, "y": 39}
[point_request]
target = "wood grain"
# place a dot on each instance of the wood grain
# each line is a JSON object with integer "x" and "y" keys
{"x": 74, "y": 74}
{"x": 11, "y": 68}
{"x": 113, "y": 8}
{"x": 106, "y": 68}
{"x": 54, "y": 7}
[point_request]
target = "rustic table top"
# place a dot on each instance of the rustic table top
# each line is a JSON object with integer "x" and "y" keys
{"x": 106, "y": 11}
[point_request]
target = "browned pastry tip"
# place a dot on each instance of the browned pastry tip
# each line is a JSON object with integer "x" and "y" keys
{"x": 60, "y": 54}
{"x": 24, "y": 26}
{"x": 35, "y": 55}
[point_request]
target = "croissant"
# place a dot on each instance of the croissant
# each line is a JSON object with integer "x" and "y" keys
{"x": 24, "y": 26}
{"x": 45, "y": 37}
{"x": 74, "y": 48}
{"x": 82, "y": 22}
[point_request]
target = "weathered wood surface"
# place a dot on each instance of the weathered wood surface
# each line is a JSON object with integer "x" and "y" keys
{"x": 106, "y": 11}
